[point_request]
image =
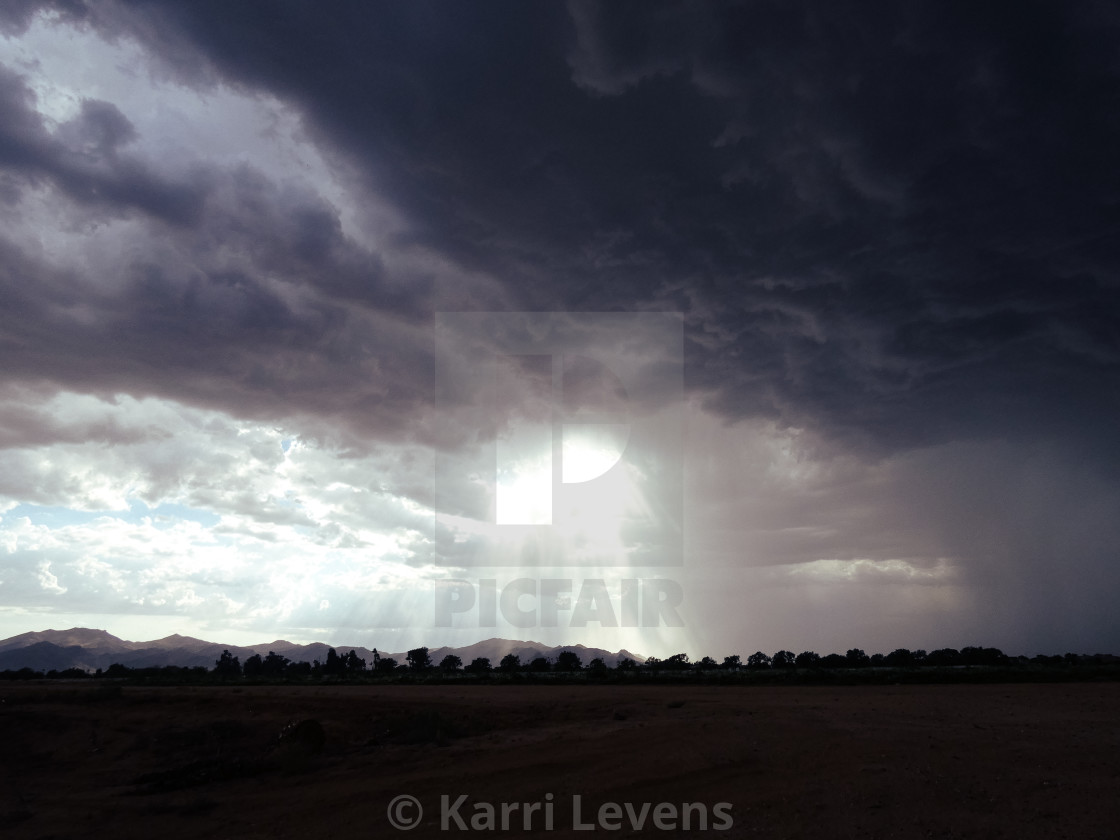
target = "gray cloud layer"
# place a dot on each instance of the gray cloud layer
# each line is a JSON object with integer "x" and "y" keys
{"x": 897, "y": 223}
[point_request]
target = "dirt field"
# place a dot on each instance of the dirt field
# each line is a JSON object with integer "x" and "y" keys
{"x": 992, "y": 761}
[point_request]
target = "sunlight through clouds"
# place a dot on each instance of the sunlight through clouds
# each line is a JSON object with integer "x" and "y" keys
{"x": 258, "y": 548}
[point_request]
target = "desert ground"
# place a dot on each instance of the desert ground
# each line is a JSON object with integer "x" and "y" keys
{"x": 944, "y": 761}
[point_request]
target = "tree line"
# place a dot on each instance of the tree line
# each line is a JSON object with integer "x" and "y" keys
{"x": 418, "y": 663}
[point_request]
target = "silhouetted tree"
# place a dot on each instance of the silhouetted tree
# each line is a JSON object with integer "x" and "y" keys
{"x": 386, "y": 665}
{"x": 451, "y": 662}
{"x": 856, "y": 658}
{"x": 834, "y": 660}
{"x": 732, "y": 662}
{"x": 418, "y": 659}
{"x": 707, "y": 664}
{"x": 653, "y": 663}
{"x": 807, "y": 659}
{"x": 354, "y": 664}
{"x": 982, "y": 656}
{"x": 275, "y": 665}
{"x": 335, "y": 666}
{"x": 481, "y": 665}
{"x": 944, "y": 657}
{"x": 676, "y": 662}
{"x": 510, "y": 662}
{"x": 540, "y": 664}
{"x": 783, "y": 659}
{"x": 597, "y": 664}
{"x": 227, "y": 666}
{"x": 758, "y": 660}
{"x": 971, "y": 656}
{"x": 568, "y": 660}
{"x": 995, "y": 656}
{"x": 253, "y": 666}
{"x": 900, "y": 658}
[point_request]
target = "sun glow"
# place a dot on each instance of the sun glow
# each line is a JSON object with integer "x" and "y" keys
{"x": 590, "y": 498}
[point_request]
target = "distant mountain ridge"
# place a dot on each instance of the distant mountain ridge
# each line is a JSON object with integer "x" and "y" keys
{"x": 87, "y": 649}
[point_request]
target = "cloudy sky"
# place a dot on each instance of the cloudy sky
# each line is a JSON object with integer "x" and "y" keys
{"x": 238, "y": 243}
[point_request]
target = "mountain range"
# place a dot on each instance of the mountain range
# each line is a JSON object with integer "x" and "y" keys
{"x": 89, "y": 650}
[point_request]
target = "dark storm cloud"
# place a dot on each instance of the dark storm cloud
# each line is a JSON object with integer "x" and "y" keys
{"x": 256, "y": 333}
{"x": 893, "y": 222}
{"x": 213, "y": 336}
{"x": 82, "y": 158}
{"x": 917, "y": 239}
{"x": 16, "y": 15}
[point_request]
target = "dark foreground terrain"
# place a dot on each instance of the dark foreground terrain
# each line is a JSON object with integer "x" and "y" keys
{"x": 948, "y": 761}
